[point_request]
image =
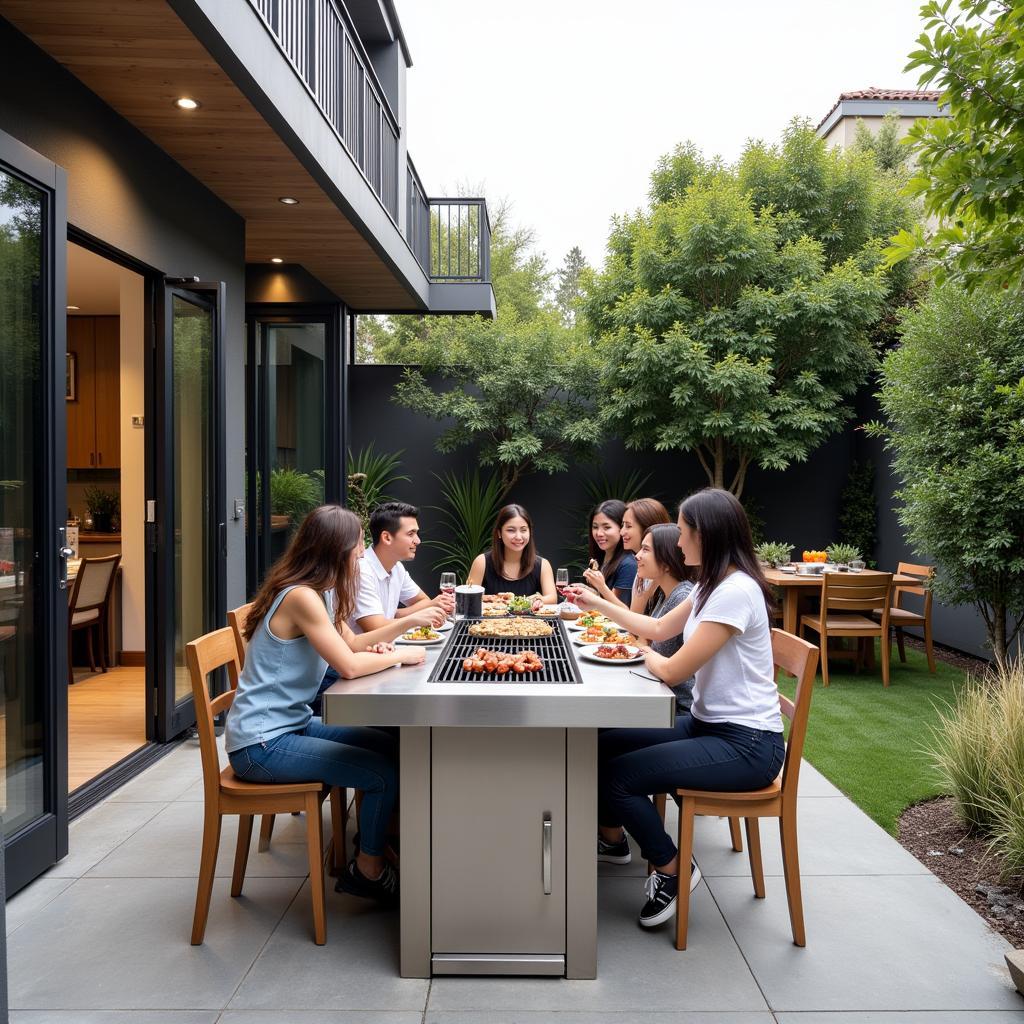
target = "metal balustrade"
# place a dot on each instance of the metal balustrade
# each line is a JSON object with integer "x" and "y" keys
{"x": 460, "y": 240}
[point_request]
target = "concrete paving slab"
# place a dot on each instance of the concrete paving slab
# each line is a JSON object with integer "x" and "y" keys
{"x": 114, "y": 1016}
{"x": 24, "y": 906}
{"x": 123, "y": 943}
{"x": 636, "y": 969}
{"x": 95, "y": 834}
{"x": 901, "y": 942}
{"x": 321, "y": 1017}
{"x": 597, "y": 1017}
{"x": 928, "y": 1017}
{"x": 166, "y": 780}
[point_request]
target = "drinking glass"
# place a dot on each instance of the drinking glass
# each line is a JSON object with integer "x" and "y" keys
{"x": 561, "y": 582}
{"x": 448, "y": 585}
{"x": 857, "y": 565}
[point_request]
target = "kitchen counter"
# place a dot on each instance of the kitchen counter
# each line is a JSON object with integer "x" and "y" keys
{"x": 499, "y": 781}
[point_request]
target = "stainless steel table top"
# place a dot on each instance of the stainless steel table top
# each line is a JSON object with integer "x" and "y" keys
{"x": 610, "y": 696}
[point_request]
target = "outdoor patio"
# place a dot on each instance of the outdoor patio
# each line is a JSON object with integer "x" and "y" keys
{"x": 102, "y": 938}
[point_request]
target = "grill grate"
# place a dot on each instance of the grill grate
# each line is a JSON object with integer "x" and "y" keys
{"x": 554, "y": 651}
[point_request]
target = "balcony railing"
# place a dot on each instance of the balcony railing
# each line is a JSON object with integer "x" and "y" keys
{"x": 450, "y": 237}
{"x": 324, "y": 49}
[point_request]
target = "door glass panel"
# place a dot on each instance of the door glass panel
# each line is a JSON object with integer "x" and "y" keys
{"x": 192, "y": 330}
{"x": 294, "y": 410}
{"x": 21, "y": 453}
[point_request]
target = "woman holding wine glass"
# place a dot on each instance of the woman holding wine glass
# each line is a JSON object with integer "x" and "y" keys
{"x": 513, "y": 565}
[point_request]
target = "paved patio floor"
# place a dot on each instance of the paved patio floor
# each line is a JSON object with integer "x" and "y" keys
{"x": 102, "y": 938}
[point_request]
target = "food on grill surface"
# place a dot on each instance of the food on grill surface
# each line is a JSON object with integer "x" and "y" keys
{"x": 502, "y": 663}
{"x": 616, "y": 652}
{"x": 421, "y": 633}
{"x": 605, "y": 635}
{"x": 517, "y": 627}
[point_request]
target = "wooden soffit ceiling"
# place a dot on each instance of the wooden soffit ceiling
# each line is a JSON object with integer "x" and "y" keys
{"x": 139, "y": 57}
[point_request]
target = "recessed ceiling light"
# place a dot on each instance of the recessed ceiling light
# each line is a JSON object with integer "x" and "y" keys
{"x": 276, "y": 259}
{"x": 74, "y": 307}
{"x": 187, "y": 103}
{"x": 289, "y": 201}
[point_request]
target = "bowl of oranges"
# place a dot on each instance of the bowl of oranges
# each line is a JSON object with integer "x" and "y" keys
{"x": 813, "y": 563}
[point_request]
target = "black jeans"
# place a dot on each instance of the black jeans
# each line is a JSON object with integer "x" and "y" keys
{"x": 633, "y": 764}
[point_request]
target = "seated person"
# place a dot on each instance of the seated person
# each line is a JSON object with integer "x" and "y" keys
{"x": 608, "y": 555}
{"x": 295, "y": 628}
{"x": 512, "y": 566}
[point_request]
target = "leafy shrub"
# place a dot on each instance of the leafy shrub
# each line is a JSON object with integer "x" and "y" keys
{"x": 471, "y": 506}
{"x": 858, "y": 513}
{"x": 294, "y": 494}
{"x": 774, "y": 552}
{"x": 370, "y": 474}
{"x": 843, "y": 554}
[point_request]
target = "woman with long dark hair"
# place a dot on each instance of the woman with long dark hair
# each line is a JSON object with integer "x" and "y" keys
{"x": 513, "y": 565}
{"x": 608, "y": 557}
{"x": 295, "y": 629}
{"x": 732, "y": 737}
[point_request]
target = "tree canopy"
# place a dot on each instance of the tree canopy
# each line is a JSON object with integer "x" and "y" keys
{"x": 735, "y": 313}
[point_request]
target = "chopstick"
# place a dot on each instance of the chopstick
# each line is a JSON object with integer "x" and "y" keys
{"x": 644, "y": 675}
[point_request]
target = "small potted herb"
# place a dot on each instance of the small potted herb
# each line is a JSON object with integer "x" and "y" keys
{"x": 774, "y": 553}
{"x": 843, "y": 554}
{"x": 103, "y": 505}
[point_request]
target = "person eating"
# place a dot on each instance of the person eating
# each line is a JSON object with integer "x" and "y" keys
{"x": 607, "y": 553}
{"x": 513, "y": 565}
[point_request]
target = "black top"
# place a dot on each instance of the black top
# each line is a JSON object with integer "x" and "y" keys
{"x": 495, "y": 582}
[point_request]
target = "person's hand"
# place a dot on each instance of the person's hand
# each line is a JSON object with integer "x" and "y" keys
{"x": 582, "y": 597}
{"x": 412, "y": 655}
{"x": 432, "y": 616}
{"x": 381, "y": 648}
{"x": 653, "y": 661}
{"x": 596, "y": 579}
{"x": 537, "y": 604}
{"x": 446, "y": 602}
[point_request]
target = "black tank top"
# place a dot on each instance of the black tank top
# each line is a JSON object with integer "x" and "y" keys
{"x": 495, "y": 583}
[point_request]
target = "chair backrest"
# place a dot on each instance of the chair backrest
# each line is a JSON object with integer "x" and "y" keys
{"x": 922, "y": 589}
{"x": 855, "y": 592}
{"x": 94, "y": 582}
{"x": 799, "y": 658}
{"x": 207, "y": 654}
{"x": 237, "y": 619}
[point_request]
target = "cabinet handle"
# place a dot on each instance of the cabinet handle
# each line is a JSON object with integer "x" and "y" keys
{"x": 100, "y": 458}
{"x": 546, "y": 853}
{"x": 92, "y": 458}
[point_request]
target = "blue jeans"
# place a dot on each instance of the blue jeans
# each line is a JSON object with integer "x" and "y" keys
{"x": 347, "y": 756}
{"x": 636, "y": 763}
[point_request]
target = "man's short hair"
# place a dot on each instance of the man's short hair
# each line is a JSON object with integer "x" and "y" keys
{"x": 389, "y": 517}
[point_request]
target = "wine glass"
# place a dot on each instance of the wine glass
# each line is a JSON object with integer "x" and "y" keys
{"x": 448, "y": 583}
{"x": 561, "y": 581}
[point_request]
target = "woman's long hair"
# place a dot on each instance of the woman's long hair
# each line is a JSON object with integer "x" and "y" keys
{"x": 529, "y": 555}
{"x": 725, "y": 540}
{"x": 648, "y": 512}
{"x": 665, "y": 548}
{"x": 318, "y": 557}
{"x": 614, "y": 510}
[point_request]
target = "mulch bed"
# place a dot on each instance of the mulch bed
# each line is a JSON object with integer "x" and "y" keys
{"x": 933, "y": 834}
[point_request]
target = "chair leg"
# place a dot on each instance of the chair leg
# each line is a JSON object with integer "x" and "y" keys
{"x": 791, "y": 870}
{"x": 928, "y": 649}
{"x": 315, "y": 843}
{"x": 207, "y": 867}
{"x": 685, "y": 845}
{"x": 101, "y": 638}
{"x": 885, "y": 664}
{"x": 756, "y": 867}
{"x": 89, "y": 649}
{"x": 339, "y": 820}
{"x": 823, "y": 643}
{"x": 266, "y": 831}
{"x": 735, "y": 835}
{"x": 241, "y": 853}
{"x": 899, "y": 644}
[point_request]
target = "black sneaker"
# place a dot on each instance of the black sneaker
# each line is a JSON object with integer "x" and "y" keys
{"x": 613, "y": 853}
{"x": 662, "y": 892}
{"x": 383, "y": 888}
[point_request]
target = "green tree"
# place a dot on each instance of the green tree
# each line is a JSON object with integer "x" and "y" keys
{"x": 884, "y": 145}
{"x": 971, "y": 164}
{"x": 734, "y": 315}
{"x": 520, "y": 391}
{"x": 569, "y": 290}
{"x": 953, "y": 397}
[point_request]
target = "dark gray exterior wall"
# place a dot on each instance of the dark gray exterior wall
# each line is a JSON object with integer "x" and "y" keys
{"x": 126, "y": 192}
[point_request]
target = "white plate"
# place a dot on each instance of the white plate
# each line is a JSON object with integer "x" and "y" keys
{"x": 444, "y": 627}
{"x": 580, "y": 642}
{"x": 576, "y": 624}
{"x": 788, "y": 568}
{"x": 589, "y": 652}
{"x": 420, "y": 643}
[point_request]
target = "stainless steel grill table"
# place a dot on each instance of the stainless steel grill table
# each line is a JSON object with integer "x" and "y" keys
{"x": 498, "y": 798}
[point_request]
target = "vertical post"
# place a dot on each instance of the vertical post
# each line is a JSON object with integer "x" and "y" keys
{"x": 415, "y": 823}
{"x": 581, "y": 827}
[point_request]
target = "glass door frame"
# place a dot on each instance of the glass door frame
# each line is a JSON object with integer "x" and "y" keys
{"x": 256, "y": 439}
{"x": 174, "y": 717}
{"x": 43, "y": 841}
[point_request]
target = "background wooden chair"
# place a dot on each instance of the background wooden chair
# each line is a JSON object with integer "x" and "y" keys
{"x": 778, "y": 800}
{"x": 89, "y": 607}
{"x": 901, "y": 618}
{"x": 847, "y": 602}
{"x": 237, "y": 620}
{"x": 225, "y": 793}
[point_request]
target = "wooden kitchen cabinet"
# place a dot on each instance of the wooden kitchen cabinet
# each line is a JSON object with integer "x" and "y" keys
{"x": 94, "y": 416}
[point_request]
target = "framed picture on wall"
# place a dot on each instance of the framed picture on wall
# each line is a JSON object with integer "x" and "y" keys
{"x": 71, "y": 378}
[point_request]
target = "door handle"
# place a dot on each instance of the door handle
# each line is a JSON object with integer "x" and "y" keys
{"x": 546, "y": 835}
{"x": 63, "y": 554}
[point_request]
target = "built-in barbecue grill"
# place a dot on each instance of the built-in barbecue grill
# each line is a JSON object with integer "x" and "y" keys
{"x": 559, "y": 664}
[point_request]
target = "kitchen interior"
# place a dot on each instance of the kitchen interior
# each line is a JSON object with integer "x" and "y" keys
{"x": 106, "y": 454}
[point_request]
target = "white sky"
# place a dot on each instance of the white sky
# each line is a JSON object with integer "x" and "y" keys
{"x": 564, "y": 106}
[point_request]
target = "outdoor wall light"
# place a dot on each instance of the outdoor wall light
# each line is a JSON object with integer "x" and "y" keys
{"x": 289, "y": 201}
{"x": 276, "y": 259}
{"x": 187, "y": 103}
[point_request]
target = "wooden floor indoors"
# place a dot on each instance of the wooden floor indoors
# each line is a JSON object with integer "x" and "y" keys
{"x": 106, "y": 720}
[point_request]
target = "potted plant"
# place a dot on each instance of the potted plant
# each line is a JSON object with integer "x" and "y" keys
{"x": 774, "y": 553}
{"x": 843, "y": 554}
{"x": 103, "y": 505}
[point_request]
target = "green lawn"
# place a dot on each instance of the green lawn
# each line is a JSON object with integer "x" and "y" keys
{"x": 867, "y": 740}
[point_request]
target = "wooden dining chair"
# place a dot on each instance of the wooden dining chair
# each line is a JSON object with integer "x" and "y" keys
{"x": 847, "y": 603}
{"x": 778, "y": 800}
{"x": 237, "y": 620}
{"x": 89, "y": 608}
{"x": 901, "y": 618}
{"x": 224, "y": 793}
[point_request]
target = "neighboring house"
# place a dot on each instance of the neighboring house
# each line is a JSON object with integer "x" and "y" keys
{"x": 839, "y": 126}
{"x": 196, "y": 199}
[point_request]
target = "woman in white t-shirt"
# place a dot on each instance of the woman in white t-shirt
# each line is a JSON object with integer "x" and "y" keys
{"x": 732, "y": 737}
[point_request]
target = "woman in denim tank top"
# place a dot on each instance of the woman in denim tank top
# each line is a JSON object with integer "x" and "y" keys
{"x": 296, "y": 628}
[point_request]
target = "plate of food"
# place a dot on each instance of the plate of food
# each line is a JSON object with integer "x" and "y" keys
{"x": 603, "y": 635}
{"x": 616, "y": 654}
{"x": 511, "y": 627}
{"x": 588, "y": 619}
{"x": 547, "y": 611}
{"x": 422, "y": 635}
{"x": 519, "y": 605}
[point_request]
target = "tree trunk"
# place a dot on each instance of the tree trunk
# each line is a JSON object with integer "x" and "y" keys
{"x": 719, "y": 479}
{"x": 997, "y": 634}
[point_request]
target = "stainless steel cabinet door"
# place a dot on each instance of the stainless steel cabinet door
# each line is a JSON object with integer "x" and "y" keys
{"x": 498, "y": 841}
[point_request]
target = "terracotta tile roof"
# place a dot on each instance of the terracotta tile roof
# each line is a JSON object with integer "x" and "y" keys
{"x": 890, "y": 95}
